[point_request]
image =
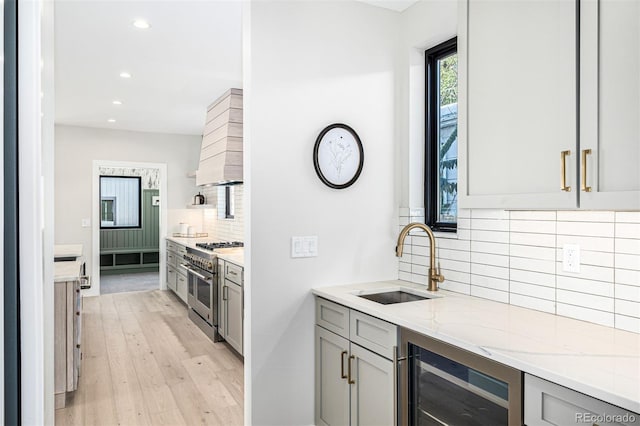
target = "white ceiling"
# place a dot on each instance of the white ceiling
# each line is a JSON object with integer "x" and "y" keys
{"x": 191, "y": 54}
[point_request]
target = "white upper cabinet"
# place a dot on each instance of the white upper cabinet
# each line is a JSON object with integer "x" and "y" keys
{"x": 610, "y": 104}
{"x": 518, "y": 91}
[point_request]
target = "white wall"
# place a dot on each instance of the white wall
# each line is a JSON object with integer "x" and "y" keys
{"x": 77, "y": 147}
{"x": 312, "y": 64}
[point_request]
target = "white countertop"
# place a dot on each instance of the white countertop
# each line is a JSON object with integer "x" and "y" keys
{"x": 599, "y": 361}
{"x": 233, "y": 255}
{"x": 66, "y": 271}
{"x": 67, "y": 250}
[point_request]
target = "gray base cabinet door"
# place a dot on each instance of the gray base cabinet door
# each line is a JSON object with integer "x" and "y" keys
{"x": 234, "y": 317}
{"x": 372, "y": 393}
{"x": 549, "y": 404}
{"x": 181, "y": 287}
{"x": 332, "y": 389}
{"x": 171, "y": 278}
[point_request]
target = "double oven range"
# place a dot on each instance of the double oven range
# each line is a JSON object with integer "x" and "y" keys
{"x": 202, "y": 285}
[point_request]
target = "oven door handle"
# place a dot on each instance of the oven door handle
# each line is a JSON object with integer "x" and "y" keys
{"x": 197, "y": 274}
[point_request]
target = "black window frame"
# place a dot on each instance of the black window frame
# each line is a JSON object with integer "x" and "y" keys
{"x": 432, "y": 56}
{"x": 105, "y": 228}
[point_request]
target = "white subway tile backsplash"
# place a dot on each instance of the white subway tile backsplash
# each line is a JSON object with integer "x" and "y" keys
{"x": 627, "y": 292}
{"x": 585, "y": 216}
{"x": 491, "y": 294}
{"x": 624, "y": 322}
{"x": 587, "y": 272}
{"x": 536, "y": 240}
{"x": 490, "y": 259}
{"x": 489, "y": 214}
{"x": 542, "y": 253}
{"x": 599, "y": 288}
{"x": 403, "y": 211}
{"x": 627, "y": 217}
{"x": 627, "y": 261}
{"x": 628, "y": 308}
{"x": 628, "y": 277}
{"x": 585, "y": 314}
{"x": 533, "y": 215}
{"x": 593, "y": 258}
{"x": 489, "y": 224}
{"x": 628, "y": 230}
{"x": 489, "y": 236}
{"x": 587, "y": 243}
{"x": 532, "y": 303}
{"x": 532, "y": 277}
{"x": 585, "y": 300}
{"x": 587, "y": 229}
{"x": 493, "y": 248}
{"x": 536, "y": 265}
{"x": 623, "y": 245}
{"x": 533, "y": 226}
{"x": 516, "y": 257}
{"x": 456, "y": 286}
{"x": 490, "y": 282}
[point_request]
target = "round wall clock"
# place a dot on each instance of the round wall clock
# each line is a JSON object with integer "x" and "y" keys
{"x": 338, "y": 156}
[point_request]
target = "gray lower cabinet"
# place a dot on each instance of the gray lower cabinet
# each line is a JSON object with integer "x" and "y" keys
{"x": 354, "y": 371}
{"x": 67, "y": 332}
{"x": 231, "y": 304}
{"x": 546, "y": 404}
{"x": 176, "y": 276}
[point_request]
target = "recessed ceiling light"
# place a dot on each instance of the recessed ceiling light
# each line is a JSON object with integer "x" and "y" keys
{"x": 125, "y": 74}
{"x": 111, "y": 120}
{"x": 142, "y": 24}
{"x": 117, "y": 102}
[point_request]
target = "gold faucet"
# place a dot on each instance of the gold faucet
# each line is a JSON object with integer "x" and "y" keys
{"x": 435, "y": 276}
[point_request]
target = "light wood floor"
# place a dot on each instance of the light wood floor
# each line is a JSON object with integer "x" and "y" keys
{"x": 145, "y": 363}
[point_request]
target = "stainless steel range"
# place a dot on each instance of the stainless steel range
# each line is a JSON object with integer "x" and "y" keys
{"x": 202, "y": 289}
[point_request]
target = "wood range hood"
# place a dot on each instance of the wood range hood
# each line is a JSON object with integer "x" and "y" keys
{"x": 221, "y": 152}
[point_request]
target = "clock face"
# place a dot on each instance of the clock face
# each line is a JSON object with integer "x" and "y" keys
{"x": 338, "y": 156}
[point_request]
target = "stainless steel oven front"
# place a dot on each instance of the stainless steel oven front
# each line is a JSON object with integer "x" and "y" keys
{"x": 441, "y": 384}
{"x": 202, "y": 293}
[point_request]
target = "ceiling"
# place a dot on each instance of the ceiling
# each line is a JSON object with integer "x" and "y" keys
{"x": 191, "y": 55}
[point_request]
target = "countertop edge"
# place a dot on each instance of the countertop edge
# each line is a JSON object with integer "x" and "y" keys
{"x": 504, "y": 358}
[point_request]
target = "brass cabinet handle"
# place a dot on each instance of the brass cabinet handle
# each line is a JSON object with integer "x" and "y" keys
{"x": 349, "y": 379}
{"x": 583, "y": 185}
{"x": 342, "y": 375}
{"x": 563, "y": 171}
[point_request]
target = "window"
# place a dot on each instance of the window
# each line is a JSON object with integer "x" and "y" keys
{"x": 441, "y": 165}
{"x": 226, "y": 202}
{"x": 120, "y": 202}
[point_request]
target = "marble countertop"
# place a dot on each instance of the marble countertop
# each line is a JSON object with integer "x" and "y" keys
{"x": 233, "y": 255}
{"x": 66, "y": 271}
{"x": 599, "y": 361}
{"x": 67, "y": 250}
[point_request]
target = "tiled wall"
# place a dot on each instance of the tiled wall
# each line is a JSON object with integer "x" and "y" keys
{"x": 223, "y": 229}
{"x": 516, "y": 257}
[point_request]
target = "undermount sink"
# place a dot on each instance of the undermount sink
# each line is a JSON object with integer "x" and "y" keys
{"x": 388, "y": 297}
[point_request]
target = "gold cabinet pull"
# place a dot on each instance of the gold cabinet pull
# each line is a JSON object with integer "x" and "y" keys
{"x": 563, "y": 171}
{"x": 349, "y": 379}
{"x": 342, "y": 375}
{"x": 583, "y": 184}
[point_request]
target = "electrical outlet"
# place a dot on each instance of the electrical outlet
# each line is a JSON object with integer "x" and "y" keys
{"x": 304, "y": 246}
{"x": 571, "y": 258}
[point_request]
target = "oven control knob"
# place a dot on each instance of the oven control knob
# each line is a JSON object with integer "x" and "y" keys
{"x": 209, "y": 265}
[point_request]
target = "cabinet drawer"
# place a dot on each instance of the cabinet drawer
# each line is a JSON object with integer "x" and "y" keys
{"x": 333, "y": 317}
{"x": 373, "y": 333}
{"x": 176, "y": 248}
{"x": 233, "y": 273}
{"x": 546, "y": 403}
{"x": 172, "y": 259}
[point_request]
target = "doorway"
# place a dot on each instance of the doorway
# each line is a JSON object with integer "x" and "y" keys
{"x": 127, "y": 254}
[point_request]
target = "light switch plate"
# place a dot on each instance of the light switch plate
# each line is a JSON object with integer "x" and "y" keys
{"x": 571, "y": 258}
{"x": 86, "y": 223}
{"x": 304, "y": 246}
